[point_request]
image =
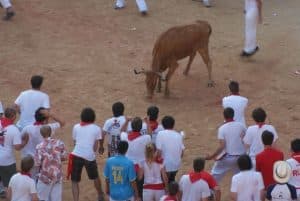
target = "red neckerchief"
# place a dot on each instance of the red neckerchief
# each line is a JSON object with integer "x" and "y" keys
{"x": 85, "y": 123}
{"x": 6, "y": 122}
{"x": 229, "y": 120}
{"x": 296, "y": 156}
{"x": 170, "y": 198}
{"x": 26, "y": 173}
{"x": 159, "y": 160}
{"x": 153, "y": 125}
{"x": 260, "y": 124}
{"x": 38, "y": 123}
{"x": 133, "y": 135}
{"x": 195, "y": 176}
{"x": 235, "y": 93}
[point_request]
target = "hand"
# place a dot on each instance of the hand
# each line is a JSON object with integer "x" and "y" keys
{"x": 128, "y": 119}
{"x": 101, "y": 150}
{"x": 25, "y": 138}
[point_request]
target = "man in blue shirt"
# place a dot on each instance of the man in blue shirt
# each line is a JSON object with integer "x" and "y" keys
{"x": 120, "y": 176}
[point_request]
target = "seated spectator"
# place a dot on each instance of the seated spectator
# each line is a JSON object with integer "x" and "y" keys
{"x": 21, "y": 185}
{"x": 281, "y": 190}
{"x": 192, "y": 186}
{"x": 248, "y": 184}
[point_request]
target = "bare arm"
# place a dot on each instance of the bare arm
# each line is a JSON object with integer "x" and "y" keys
{"x": 34, "y": 197}
{"x": 140, "y": 173}
{"x": 218, "y": 151}
{"x": 217, "y": 192}
{"x": 107, "y": 190}
{"x": 49, "y": 114}
{"x": 136, "y": 194}
{"x": 25, "y": 139}
{"x": 8, "y": 192}
{"x": 125, "y": 125}
{"x": 204, "y": 199}
{"x": 17, "y": 108}
{"x": 164, "y": 177}
{"x": 233, "y": 196}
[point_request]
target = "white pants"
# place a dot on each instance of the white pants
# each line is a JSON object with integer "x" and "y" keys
{"x": 129, "y": 199}
{"x": 5, "y": 3}
{"x": 251, "y": 19}
{"x": 224, "y": 165}
{"x": 49, "y": 192}
{"x": 152, "y": 195}
{"x": 142, "y": 6}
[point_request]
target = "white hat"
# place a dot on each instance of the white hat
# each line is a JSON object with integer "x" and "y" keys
{"x": 282, "y": 172}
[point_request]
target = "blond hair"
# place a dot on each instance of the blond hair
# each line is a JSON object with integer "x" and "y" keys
{"x": 150, "y": 151}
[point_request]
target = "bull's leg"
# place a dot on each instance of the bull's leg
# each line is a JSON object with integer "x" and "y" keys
{"x": 171, "y": 71}
{"x": 205, "y": 56}
{"x": 187, "y": 69}
{"x": 158, "y": 90}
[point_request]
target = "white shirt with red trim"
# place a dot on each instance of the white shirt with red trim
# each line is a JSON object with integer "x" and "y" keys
{"x": 295, "y": 177}
{"x": 136, "y": 148}
{"x": 238, "y": 104}
{"x": 112, "y": 127}
{"x": 85, "y": 138}
{"x": 22, "y": 187}
{"x": 170, "y": 143}
{"x": 11, "y": 137}
{"x": 29, "y": 101}
{"x": 232, "y": 133}
{"x": 144, "y": 130}
{"x": 35, "y": 137}
{"x": 253, "y": 138}
{"x": 152, "y": 172}
{"x": 193, "y": 191}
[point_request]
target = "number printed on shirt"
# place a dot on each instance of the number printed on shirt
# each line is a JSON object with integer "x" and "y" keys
{"x": 117, "y": 174}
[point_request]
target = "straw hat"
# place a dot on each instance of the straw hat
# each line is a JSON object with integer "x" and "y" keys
{"x": 282, "y": 172}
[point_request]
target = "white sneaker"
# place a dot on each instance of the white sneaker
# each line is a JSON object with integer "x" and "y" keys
{"x": 206, "y": 3}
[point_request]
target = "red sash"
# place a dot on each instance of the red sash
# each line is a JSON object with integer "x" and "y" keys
{"x": 70, "y": 165}
{"x": 38, "y": 123}
{"x": 160, "y": 186}
{"x": 195, "y": 176}
{"x": 26, "y": 174}
{"x": 6, "y": 122}
{"x": 229, "y": 120}
{"x": 170, "y": 198}
{"x": 136, "y": 168}
{"x": 133, "y": 135}
{"x": 159, "y": 160}
{"x": 296, "y": 156}
{"x": 85, "y": 123}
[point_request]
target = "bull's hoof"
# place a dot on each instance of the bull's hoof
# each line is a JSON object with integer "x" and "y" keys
{"x": 211, "y": 84}
{"x": 185, "y": 73}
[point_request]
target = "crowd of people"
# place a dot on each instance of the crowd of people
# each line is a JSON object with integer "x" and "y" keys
{"x": 143, "y": 155}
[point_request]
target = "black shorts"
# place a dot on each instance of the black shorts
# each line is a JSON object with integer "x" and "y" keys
{"x": 6, "y": 172}
{"x": 90, "y": 166}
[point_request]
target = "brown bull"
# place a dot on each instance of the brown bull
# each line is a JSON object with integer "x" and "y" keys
{"x": 175, "y": 44}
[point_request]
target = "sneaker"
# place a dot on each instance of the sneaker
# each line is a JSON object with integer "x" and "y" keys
{"x": 118, "y": 7}
{"x": 9, "y": 15}
{"x": 249, "y": 54}
{"x": 144, "y": 13}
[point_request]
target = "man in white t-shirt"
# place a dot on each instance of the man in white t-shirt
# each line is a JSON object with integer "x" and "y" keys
{"x": 141, "y": 4}
{"x": 6, "y": 4}
{"x": 253, "y": 15}
{"x": 137, "y": 144}
{"x": 294, "y": 162}
{"x": 30, "y": 100}
{"x": 169, "y": 144}
{"x": 237, "y": 102}
{"x": 21, "y": 186}
{"x": 252, "y": 139}
{"x": 87, "y": 137}
{"x": 42, "y": 117}
{"x": 10, "y": 140}
{"x": 192, "y": 186}
{"x": 230, "y": 143}
{"x": 112, "y": 128}
{"x": 247, "y": 184}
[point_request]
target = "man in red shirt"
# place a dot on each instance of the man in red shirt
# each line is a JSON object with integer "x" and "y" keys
{"x": 266, "y": 159}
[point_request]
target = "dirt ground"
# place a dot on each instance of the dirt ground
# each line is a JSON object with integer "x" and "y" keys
{"x": 86, "y": 51}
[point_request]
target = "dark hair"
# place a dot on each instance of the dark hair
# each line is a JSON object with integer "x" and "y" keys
{"x": 152, "y": 112}
{"x": 36, "y": 81}
{"x": 39, "y": 116}
{"x": 122, "y": 147}
{"x": 173, "y": 188}
{"x": 168, "y": 122}
{"x": 118, "y": 109}
{"x": 244, "y": 162}
{"x": 27, "y": 163}
{"x": 233, "y": 87}
{"x": 45, "y": 131}
{"x": 10, "y": 113}
{"x": 136, "y": 124}
{"x": 259, "y": 115}
{"x": 228, "y": 113}
{"x": 198, "y": 164}
{"x": 295, "y": 145}
{"x": 267, "y": 137}
{"x": 88, "y": 115}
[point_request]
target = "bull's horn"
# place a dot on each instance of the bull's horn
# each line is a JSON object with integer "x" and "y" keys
{"x": 138, "y": 72}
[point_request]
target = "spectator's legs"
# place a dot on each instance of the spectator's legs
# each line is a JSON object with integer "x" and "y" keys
{"x": 75, "y": 190}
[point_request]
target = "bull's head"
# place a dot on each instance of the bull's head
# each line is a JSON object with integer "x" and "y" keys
{"x": 151, "y": 80}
